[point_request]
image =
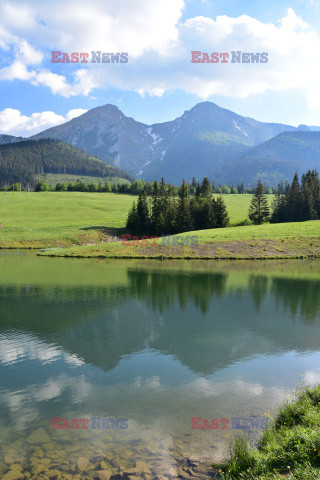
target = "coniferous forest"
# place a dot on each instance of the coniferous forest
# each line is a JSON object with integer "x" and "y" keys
{"x": 22, "y": 161}
{"x": 299, "y": 201}
{"x": 164, "y": 212}
{"x": 167, "y": 213}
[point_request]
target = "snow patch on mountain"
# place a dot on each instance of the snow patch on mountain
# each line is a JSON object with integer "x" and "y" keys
{"x": 156, "y": 137}
{"x": 141, "y": 171}
{"x": 239, "y": 128}
{"x": 163, "y": 154}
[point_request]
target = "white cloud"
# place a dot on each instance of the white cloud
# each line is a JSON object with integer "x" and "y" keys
{"x": 159, "y": 49}
{"x": 13, "y": 122}
{"x": 76, "y": 112}
{"x": 130, "y": 25}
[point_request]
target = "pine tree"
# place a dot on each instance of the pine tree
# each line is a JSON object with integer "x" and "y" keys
{"x": 310, "y": 191}
{"x": 184, "y": 220}
{"x": 294, "y": 201}
{"x": 205, "y": 188}
{"x": 133, "y": 219}
{"x": 220, "y": 213}
{"x": 259, "y": 210}
{"x": 143, "y": 213}
{"x": 279, "y": 206}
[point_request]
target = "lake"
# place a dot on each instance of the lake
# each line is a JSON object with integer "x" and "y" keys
{"x": 141, "y": 353}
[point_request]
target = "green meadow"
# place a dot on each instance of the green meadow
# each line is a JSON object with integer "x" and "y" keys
{"x": 44, "y": 219}
{"x": 48, "y": 219}
{"x": 290, "y": 240}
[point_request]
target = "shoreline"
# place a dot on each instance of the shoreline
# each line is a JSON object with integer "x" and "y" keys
{"x": 245, "y": 249}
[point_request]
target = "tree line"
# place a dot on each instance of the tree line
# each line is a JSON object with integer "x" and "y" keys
{"x": 295, "y": 202}
{"x": 166, "y": 213}
{"x": 138, "y": 186}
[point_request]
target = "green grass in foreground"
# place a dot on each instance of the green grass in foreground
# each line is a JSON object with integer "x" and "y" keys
{"x": 49, "y": 219}
{"x": 291, "y": 240}
{"x": 290, "y": 447}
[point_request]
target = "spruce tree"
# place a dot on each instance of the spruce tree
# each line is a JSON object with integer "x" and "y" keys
{"x": 184, "y": 221}
{"x": 220, "y": 213}
{"x": 205, "y": 188}
{"x": 133, "y": 219}
{"x": 259, "y": 211}
{"x": 294, "y": 201}
{"x": 279, "y": 206}
{"x": 143, "y": 213}
{"x": 310, "y": 190}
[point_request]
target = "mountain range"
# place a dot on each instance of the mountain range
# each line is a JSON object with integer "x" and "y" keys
{"x": 206, "y": 140}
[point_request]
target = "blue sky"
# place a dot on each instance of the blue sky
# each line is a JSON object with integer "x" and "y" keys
{"x": 159, "y": 82}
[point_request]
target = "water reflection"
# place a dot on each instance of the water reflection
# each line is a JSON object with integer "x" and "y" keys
{"x": 156, "y": 344}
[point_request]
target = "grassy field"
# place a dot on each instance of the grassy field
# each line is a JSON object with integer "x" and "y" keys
{"x": 87, "y": 224}
{"x": 48, "y": 219}
{"x": 291, "y": 240}
{"x": 290, "y": 448}
{"x": 53, "y": 178}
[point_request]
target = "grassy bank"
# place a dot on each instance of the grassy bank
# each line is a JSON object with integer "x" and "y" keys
{"x": 292, "y": 240}
{"x": 62, "y": 219}
{"x": 290, "y": 447}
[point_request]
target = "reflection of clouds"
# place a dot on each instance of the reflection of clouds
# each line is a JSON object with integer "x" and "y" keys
{"x": 152, "y": 382}
{"x": 73, "y": 360}
{"x": 204, "y": 387}
{"x": 24, "y": 406}
{"x": 16, "y": 348}
{"x": 52, "y": 389}
{"x": 312, "y": 378}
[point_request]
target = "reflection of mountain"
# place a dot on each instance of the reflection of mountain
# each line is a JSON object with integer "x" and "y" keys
{"x": 192, "y": 316}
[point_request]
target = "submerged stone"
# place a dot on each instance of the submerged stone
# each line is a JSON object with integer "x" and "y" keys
{"x": 104, "y": 474}
{"x": 13, "y": 474}
{"x": 38, "y": 452}
{"x": 53, "y": 473}
{"x": 38, "y": 436}
{"x": 82, "y": 463}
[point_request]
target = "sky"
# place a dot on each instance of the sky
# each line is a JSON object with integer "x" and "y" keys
{"x": 159, "y": 81}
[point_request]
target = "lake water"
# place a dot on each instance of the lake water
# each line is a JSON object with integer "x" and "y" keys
{"x": 147, "y": 346}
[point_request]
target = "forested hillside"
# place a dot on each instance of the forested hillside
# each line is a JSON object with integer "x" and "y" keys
{"x": 275, "y": 160}
{"x": 22, "y": 161}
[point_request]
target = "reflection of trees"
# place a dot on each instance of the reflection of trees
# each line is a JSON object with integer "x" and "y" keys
{"x": 52, "y": 308}
{"x": 301, "y": 297}
{"x": 191, "y": 315}
{"x": 163, "y": 289}
{"x": 258, "y": 287}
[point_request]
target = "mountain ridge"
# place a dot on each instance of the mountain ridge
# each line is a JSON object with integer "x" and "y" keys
{"x": 204, "y": 140}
